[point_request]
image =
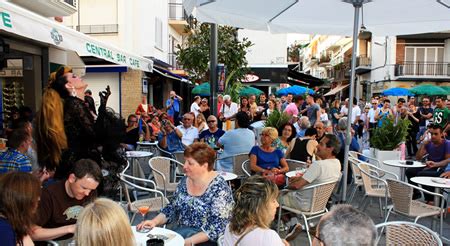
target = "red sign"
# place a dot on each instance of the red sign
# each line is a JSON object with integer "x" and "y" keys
{"x": 248, "y": 78}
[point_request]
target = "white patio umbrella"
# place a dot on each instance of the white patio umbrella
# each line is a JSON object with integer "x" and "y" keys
{"x": 332, "y": 17}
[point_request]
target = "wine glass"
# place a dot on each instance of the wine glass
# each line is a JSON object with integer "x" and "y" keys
{"x": 143, "y": 210}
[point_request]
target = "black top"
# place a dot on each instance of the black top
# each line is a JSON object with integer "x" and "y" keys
{"x": 299, "y": 152}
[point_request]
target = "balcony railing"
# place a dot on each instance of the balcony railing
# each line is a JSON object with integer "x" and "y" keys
{"x": 71, "y": 2}
{"x": 97, "y": 29}
{"x": 433, "y": 69}
{"x": 176, "y": 11}
{"x": 172, "y": 59}
{"x": 363, "y": 61}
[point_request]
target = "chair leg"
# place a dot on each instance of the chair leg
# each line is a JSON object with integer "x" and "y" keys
{"x": 362, "y": 202}
{"x": 132, "y": 218}
{"x": 352, "y": 195}
{"x": 367, "y": 202}
{"x": 279, "y": 219}
{"x": 381, "y": 207}
{"x": 307, "y": 229}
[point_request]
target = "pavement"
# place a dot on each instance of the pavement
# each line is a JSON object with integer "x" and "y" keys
{"x": 374, "y": 212}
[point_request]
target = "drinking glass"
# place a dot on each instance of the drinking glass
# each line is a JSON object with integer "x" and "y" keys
{"x": 143, "y": 210}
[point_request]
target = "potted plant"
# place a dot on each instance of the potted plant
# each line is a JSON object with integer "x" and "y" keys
{"x": 276, "y": 119}
{"x": 385, "y": 141}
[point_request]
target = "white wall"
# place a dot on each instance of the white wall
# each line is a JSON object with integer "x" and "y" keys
{"x": 98, "y": 81}
{"x": 267, "y": 49}
{"x": 379, "y": 47}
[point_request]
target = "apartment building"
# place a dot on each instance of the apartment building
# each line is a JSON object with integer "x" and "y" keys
{"x": 381, "y": 62}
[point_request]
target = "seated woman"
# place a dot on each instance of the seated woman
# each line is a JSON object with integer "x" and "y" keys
{"x": 103, "y": 223}
{"x": 155, "y": 126}
{"x": 287, "y": 133}
{"x": 254, "y": 210}
{"x": 200, "y": 123}
{"x": 202, "y": 203}
{"x": 267, "y": 159}
{"x": 302, "y": 148}
{"x": 19, "y": 198}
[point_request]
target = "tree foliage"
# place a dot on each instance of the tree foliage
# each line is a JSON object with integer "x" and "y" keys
{"x": 194, "y": 54}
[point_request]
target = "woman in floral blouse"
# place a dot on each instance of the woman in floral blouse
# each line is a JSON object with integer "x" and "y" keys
{"x": 202, "y": 203}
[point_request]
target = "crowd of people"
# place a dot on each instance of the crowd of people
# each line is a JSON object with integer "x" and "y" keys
{"x": 70, "y": 142}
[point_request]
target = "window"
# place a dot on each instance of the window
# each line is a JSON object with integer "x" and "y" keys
{"x": 158, "y": 33}
{"x": 424, "y": 60}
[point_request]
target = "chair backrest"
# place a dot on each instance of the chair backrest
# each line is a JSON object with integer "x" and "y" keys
{"x": 321, "y": 195}
{"x": 179, "y": 156}
{"x": 237, "y": 164}
{"x": 354, "y": 166}
{"x": 353, "y": 154}
{"x": 164, "y": 152}
{"x": 293, "y": 164}
{"x": 401, "y": 195}
{"x": 407, "y": 233}
{"x": 246, "y": 167}
{"x": 370, "y": 175}
{"x": 128, "y": 180}
{"x": 160, "y": 167}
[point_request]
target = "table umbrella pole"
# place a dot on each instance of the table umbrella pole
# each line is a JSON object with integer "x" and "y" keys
{"x": 357, "y": 5}
{"x": 213, "y": 68}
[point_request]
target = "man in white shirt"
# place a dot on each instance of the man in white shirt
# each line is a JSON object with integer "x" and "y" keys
{"x": 327, "y": 169}
{"x": 227, "y": 112}
{"x": 371, "y": 115}
{"x": 190, "y": 133}
{"x": 195, "y": 108}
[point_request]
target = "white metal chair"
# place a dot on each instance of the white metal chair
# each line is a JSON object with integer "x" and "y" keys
{"x": 321, "y": 193}
{"x": 357, "y": 180}
{"x": 161, "y": 168}
{"x": 246, "y": 167}
{"x": 403, "y": 203}
{"x": 156, "y": 202}
{"x": 407, "y": 233}
{"x": 374, "y": 185}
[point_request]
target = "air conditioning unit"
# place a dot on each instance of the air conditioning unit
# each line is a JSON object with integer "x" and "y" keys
{"x": 49, "y": 8}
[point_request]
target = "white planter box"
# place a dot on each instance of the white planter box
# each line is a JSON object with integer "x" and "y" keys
{"x": 382, "y": 155}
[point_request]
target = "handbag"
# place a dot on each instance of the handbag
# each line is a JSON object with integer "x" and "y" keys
{"x": 279, "y": 179}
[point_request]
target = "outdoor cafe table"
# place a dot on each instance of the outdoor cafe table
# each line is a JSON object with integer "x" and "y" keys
{"x": 175, "y": 239}
{"x": 133, "y": 157}
{"x": 227, "y": 175}
{"x": 402, "y": 165}
{"x": 437, "y": 183}
{"x": 148, "y": 145}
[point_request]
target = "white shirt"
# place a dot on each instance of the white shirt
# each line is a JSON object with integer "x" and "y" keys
{"x": 259, "y": 236}
{"x": 356, "y": 111}
{"x": 189, "y": 134}
{"x": 371, "y": 115}
{"x": 195, "y": 108}
{"x": 229, "y": 111}
{"x": 344, "y": 110}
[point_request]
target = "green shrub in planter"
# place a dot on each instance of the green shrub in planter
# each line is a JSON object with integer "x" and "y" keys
{"x": 276, "y": 119}
{"x": 389, "y": 135}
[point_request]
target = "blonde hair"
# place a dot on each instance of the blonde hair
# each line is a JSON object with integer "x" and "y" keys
{"x": 103, "y": 223}
{"x": 251, "y": 204}
{"x": 272, "y": 132}
{"x": 199, "y": 117}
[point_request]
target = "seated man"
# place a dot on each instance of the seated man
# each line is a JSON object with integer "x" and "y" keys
{"x": 237, "y": 141}
{"x": 438, "y": 151}
{"x": 212, "y": 134}
{"x": 190, "y": 133}
{"x": 345, "y": 225}
{"x": 327, "y": 169}
{"x": 170, "y": 137}
{"x": 62, "y": 202}
{"x": 132, "y": 132}
{"x": 15, "y": 158}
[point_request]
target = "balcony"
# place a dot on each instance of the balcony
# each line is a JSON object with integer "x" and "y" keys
{"x": 324, "y": 61}
{"x": 423, "y": 70}
{"x": 363, "y": 64}
{"x": 98, "y": 29}
{"x": 49, "y": 8}
{"x": 340, "y": 72}
{"x": 178, "y": 18}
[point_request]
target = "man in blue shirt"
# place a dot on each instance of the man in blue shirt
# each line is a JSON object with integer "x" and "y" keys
{"x": 173, "y": 107}
{"x": 170, "y": 137}
{"x": 212, "y": 134}
{"x": 14, "y": 158}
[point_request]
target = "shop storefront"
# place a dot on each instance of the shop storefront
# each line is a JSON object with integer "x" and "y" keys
{"x": 32, "y": 46}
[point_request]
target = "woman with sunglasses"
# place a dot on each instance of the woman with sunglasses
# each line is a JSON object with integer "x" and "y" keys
{"x": 254, "y": 209}
{"x": 267, "y": 159}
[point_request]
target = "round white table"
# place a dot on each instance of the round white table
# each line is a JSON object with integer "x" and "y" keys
{"x": 228, "y": 176}
{"x": 402, "y": 165}
{"x": 175, "y": 239}
{"x": 148, "y": 146}
{"x": 294, "y": 173}
{"x": 133, "y": 156}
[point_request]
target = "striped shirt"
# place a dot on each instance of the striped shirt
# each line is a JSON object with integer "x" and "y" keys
{"x": 13, "y": 160}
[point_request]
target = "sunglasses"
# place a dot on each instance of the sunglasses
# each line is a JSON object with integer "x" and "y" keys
{"x": 187, "y": 119}
{"x": 211, "y": 121}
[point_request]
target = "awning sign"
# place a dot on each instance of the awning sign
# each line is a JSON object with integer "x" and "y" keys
{"x": 248, "y": 78}
{"x": 25, "y": 23}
